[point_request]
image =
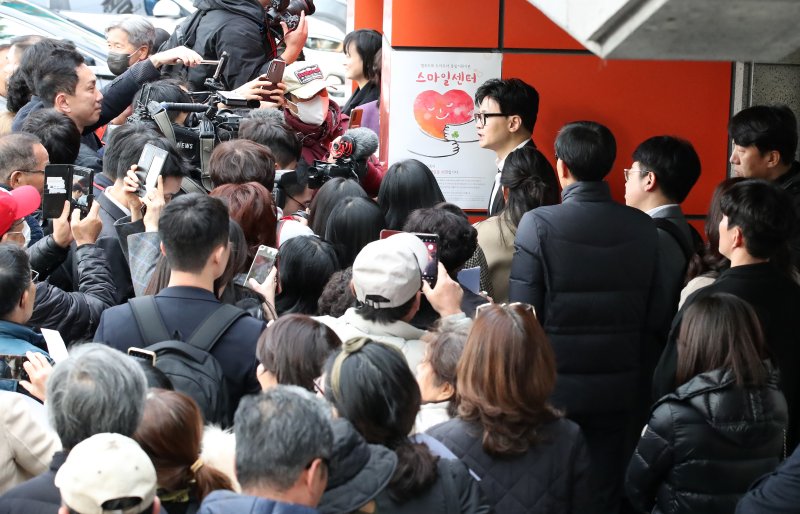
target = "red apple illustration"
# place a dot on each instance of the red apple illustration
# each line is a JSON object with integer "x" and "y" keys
{"x": 433, "y": 110}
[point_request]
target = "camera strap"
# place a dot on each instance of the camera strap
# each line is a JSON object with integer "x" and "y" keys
{"x": 207, "y": 136}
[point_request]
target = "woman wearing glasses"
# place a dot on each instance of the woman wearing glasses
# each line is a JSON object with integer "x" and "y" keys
{"x": 528, "y": 456}
{"x": 723, "y": 427}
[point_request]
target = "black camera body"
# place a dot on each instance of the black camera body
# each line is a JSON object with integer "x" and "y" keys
{"x": 321, "y": 171}
{"x": 288, "y": 11}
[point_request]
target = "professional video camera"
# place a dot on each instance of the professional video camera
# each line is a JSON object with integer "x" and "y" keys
{"x": 351, "y": 153}
{"x": 212, "y": 125}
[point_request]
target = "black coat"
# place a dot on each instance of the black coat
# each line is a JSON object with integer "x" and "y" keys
{"x": 776, "y": 300}
{"x": 76, "y": 314}
{"x": 39, "y": 495}
{"x": 790, "y": 182}
{"x": 705, "y": 443}
{"x": 551, "y": 477}
{"x": 237, "y": 27}
{"x": 587, "y": 266}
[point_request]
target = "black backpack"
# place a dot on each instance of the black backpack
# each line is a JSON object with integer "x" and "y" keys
{"x": 190, "y": 365}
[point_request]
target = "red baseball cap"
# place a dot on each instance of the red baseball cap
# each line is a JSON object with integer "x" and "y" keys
{"x": 16, "y": 204}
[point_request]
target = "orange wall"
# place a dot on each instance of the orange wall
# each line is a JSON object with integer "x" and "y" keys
{"x": 635, "y": 99}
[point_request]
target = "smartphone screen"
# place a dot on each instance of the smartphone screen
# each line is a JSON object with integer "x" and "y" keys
{"x": 150, "y": 164}
{"x": 56, "y": 179}
{"x": 82, "y": 193}
{"x": 145, "y": 355}
{"x": 430, "y": 272}
{"x": 11, "y": 366}
{"x": 262, "y": 264}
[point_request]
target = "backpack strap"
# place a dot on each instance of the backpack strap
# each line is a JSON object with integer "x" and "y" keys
{"x": 673, "y": 230}
{"x": 148, "y": 318}
{"x": 207, "y": 334}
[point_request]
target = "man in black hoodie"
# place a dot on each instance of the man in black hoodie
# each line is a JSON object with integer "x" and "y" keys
{"x": 241, "y": 28}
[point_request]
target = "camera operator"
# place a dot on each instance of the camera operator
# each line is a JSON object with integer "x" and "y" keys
{"x": 353, "y": 155}
{"x": 241, "y": 28}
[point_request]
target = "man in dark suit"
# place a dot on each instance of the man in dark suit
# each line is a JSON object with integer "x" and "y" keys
{"x": 587, "y": 265}
{"x": 194, "y": 237}
{"x": 664, "y": 170}
{"x": 507, "y": 111}
{"x": 758, "y": 220}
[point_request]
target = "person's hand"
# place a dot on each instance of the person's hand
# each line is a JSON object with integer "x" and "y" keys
{"x": 38, "y": 369}
{"x": 62, "y": 233}
{"x": 86, "y": 230}
{"x": 154, "y": 201}
{"x": 187, "y": 56}
{"x": 445, "y": 298}
{"x": 268, "y": 288}
{"x": 295, "y": 40}
{"x": 331, "y": 158}
{"x": 263, "y": 90}
{"x": 131, "y": 189}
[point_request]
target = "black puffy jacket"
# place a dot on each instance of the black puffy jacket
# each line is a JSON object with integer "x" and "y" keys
{"x": 237, "y": 27}
{"x": 706, "y": 443}
{"x": 74, "y": 314}
{"x": 551, "y": 477}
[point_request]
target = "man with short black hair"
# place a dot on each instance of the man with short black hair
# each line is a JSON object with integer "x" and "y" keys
{"x": 58, "y": 133}
{"x": 764, "y": 145}
{"x": 664, "y": 170}
{"x": 507, "y": 112}
{"x": 758, "y": 219}
{"x": 96, "y": 390}
{"x": 194, "y": 230}
{"x": 587, "y": 266}
{"x": 283, "y": 443}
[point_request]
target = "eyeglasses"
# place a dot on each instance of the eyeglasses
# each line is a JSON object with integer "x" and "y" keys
{"x": 505, "y": 306}
{"x": 627, "y": 172}
{"x": 480, "y": 117}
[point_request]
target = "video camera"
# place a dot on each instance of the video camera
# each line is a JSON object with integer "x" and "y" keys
{"x": 211, "y": 125}
{"x": 351, "y": 153}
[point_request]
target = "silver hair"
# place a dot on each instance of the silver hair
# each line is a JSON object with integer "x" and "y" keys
{"x": 140, "y": 31}
{"x": 296, "y": 426}
{"x": 98, "y": 389}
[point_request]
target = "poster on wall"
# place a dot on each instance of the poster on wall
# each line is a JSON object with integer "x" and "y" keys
{"x": 432, "y": 119}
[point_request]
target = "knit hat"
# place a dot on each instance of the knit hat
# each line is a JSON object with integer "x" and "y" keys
{"x": 386, "y": 273}
{"x": 104, "y": 468}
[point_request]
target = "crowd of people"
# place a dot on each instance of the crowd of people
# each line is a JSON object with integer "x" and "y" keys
{"x": 147, "y": 368}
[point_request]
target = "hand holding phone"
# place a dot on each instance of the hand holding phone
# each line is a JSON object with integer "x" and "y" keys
{"x": 67, "y": 182}
{"x": 150, "y": 165}
{"x": 262, "y": 264}
{"x": 274, "y": 75}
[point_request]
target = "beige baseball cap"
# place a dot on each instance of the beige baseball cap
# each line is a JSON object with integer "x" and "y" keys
{"x": 105, "y": 468}
{"x": 387, "y": 273}
{"x": 305, "y": 79}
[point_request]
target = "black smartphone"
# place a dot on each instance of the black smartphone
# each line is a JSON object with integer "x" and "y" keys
{"x": 11, "y": 366}
{"x": 64, "y": 182}
{"x": 431, "y": 270}
{"x": 262, "y": 264}
{"x": 150, "y": 164}
{"x": 140, "y": 354}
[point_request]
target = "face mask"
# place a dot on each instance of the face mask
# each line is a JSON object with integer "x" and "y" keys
{"x": 311, "y": 111}
{"x": 26, "y": 231}
{"x": 118, "y": 63}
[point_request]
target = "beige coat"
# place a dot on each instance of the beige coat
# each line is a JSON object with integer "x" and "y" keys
{"x": 27, "y": 444}
{"x": 497, "y": 242}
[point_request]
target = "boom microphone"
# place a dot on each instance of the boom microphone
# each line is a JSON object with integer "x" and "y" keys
{"x": 362, "y": 141}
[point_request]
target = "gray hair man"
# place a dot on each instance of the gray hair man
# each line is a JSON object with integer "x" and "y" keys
{"x": 283, "y": 443}
{"x": 130, "y": 39}
{"x": 98, "y": 389}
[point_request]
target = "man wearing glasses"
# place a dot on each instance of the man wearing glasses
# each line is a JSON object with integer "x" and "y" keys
{"x": 22, "y": 162}
{"x": 587, "y": 266}
{"x": 507, "y": 111}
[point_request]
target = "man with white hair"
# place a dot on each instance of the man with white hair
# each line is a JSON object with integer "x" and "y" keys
{"x": 130, "y": 40}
